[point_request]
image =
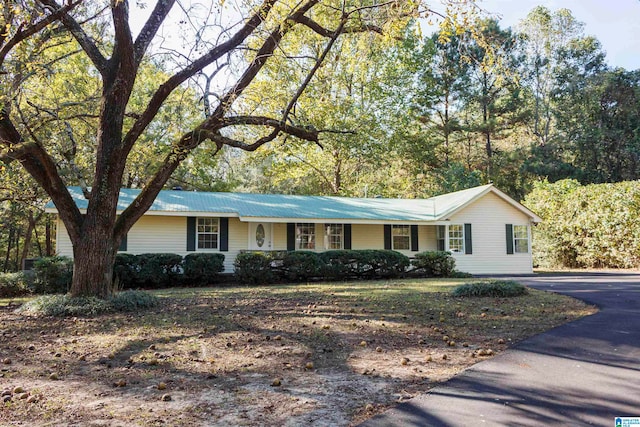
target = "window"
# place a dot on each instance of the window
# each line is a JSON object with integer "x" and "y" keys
{"x": 401, "y": 237}
{"x": 521, "y": 239}
{"x": 441, "y": 232}
{"x": 334, "y": 236}
{"x": 207, "y": 234}
{"x": 456, "y": 238}
{"x": 305, "y": 236}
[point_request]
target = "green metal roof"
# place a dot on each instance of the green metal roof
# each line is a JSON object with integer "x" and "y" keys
{"x": 247, "y": 206}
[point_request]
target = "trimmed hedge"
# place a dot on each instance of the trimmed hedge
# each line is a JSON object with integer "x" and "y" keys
{"x": 586, "y": 226}
{"x": 254, "y": 268}
{"x": 165, "y": 270}
{"x": 302, "y": 266}
{"x": 269, "y": 267}
{"x": 435, "y": 264}
{"x": 203, "y": 269}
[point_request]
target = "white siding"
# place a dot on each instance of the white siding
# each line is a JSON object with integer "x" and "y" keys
{"x": 63, "y": 243}
{"x": 488, "y": 217}
{"x": 365, "y": 236}
{"x": 156, "y": 234}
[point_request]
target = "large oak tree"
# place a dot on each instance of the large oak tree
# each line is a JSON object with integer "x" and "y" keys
{"x": 217, "y": 46}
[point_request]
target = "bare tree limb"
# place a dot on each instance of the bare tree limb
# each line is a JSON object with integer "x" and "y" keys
{"x": 151, "y": 27}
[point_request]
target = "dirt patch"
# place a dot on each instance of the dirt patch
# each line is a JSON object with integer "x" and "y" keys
{"x": 325, "y": 355}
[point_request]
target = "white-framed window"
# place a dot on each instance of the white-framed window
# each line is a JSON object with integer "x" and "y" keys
{"x": 456, "y": 238}
{"x": 208, "y": 233}
{"x": 441, "y": 237}
{"x": 305, "y": 236}
{"x": 400, "y": 237}
{"x": 521, "y": 239}
{"x": 333, "y": 236}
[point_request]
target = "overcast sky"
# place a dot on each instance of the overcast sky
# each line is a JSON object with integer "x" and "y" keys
{"x": 616, "y": 23}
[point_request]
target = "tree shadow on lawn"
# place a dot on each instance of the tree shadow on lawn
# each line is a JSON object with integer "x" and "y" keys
{"x": 206, "y": 344}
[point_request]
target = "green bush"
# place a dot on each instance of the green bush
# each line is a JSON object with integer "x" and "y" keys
{"x": 592, "y": 226}
{"x": 133, "y": 301}
{"x": 434, "y": 264}
{"x": 126, "y": 271}
{"x": 301, "y": 265}
{"x": 339, "y": 264}
{"x": 493, "y": 288}
{"x": 64, "y": 305}
{"x": 203, "y": 269}
{"x": 254, "y": 268}
{"x": 52, "y": 275}
{"x": 385, "y": 264}
{"x": 13, "y": 285}
{"x": 160, "y": 270}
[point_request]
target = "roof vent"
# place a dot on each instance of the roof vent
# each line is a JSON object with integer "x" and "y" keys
{"x": 177, "y": 188}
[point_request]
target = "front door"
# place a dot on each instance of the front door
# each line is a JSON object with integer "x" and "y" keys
{"x": 259, "y": 236}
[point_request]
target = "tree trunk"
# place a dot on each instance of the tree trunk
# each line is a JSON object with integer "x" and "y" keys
{"x": 9, "y": 247}
{"x": 47, "y": 237}
{"x": 27, "y": 239}
{"x": 93, "y": 259}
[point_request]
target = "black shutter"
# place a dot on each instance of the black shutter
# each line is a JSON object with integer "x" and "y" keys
{"x": 346, "y": 229}
{"x": 387, "y": 237}
{"x": 191, "y": 233}
{"x": 468, "y": 247}
{"x": 291, "y": 236}
{"x": 224, "y": 234}
{"x": 123, "y": 244}
{"x": 414, "y": 238}
{"x": 442, "y": 238}
{"x": 509, "y": 239}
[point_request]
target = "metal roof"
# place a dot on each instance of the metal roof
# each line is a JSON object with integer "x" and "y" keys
{"x": 274, "y": 206}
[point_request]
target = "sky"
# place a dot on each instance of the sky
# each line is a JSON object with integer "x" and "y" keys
{"x": 615, "y": 23}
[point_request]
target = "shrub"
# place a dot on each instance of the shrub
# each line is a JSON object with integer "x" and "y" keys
{"x": 254, "y": 268}
{"x": 126, "y": 271}
{"x": 13, "y": 285}
{"x": 133, "y": 300}
{"x": 203, "y": 269}
{"x": 384, "y": 264}
{"x": 65, "y": 305}
{"x": 159, "y": 270}
{"x": 339, "y": 264}
{"x": 434, "y": 264}
{"x": 52, "y": 275}
{"x": 493, "y": 288}
{"x": 302, "y": 265}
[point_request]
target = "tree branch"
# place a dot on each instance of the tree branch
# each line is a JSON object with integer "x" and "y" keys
{"x": 123, "y": 51}
{"x": 151, "y": 27}
{"x": 90, "y": 48}
{"x": 23, "y": 33}
{"x": 196, "y": 66}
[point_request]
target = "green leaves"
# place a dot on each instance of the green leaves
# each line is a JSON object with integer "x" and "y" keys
{"x": 594, "y": 226}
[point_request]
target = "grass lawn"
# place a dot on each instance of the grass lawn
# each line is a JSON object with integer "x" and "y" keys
{"x": 315, "y": 354}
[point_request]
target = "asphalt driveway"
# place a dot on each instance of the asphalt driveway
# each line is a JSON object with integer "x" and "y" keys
{"x": 584, "y": 373}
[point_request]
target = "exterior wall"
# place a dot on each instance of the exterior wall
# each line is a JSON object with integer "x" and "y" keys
{"x": 166, "y": 234}
{"x": 488, "y": 217}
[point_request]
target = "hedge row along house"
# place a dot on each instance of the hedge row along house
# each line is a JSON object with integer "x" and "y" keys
{"x": 486, "y": 231}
